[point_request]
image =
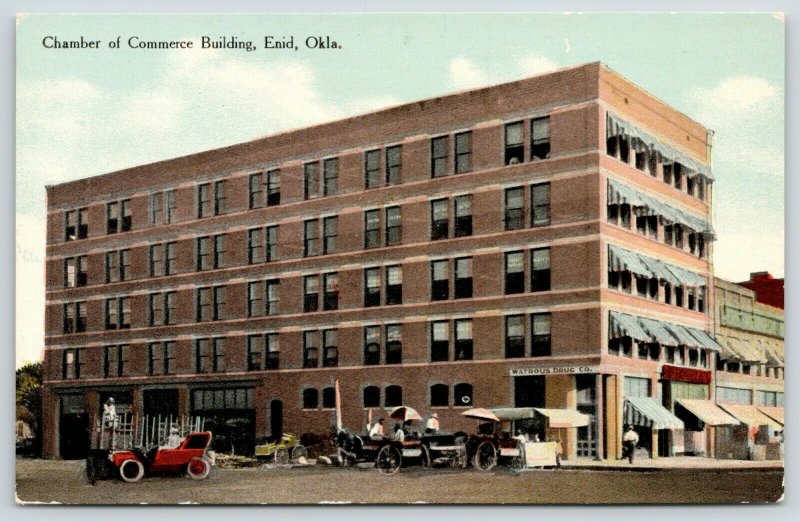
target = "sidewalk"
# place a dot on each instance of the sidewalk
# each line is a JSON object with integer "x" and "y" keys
{"x": 673, "y": 463}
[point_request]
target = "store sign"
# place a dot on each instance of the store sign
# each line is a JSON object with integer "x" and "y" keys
{"x": 553, "y": 370}
{"x": 679, "y": 373}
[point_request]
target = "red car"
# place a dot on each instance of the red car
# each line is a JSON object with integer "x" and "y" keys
{"x": 189, "y": 457}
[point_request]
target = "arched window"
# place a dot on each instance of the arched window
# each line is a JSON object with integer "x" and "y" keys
{"x": 310, "y": 399}
{"x": 462, "y": 394}
{"x": 393, "y": 396}
{"x": 329, "y": 397}
{"x": 440, "y": 395}
{"x": 372, "y": 397}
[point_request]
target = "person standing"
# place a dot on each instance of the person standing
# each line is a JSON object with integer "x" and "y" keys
{"x": 432, "y": 426}
{"x": 376, "y": 432}
{"x": 629, "y": 441}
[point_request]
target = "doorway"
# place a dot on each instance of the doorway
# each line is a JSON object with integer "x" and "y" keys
{"x": 73, "y": 428}
{"x": 276, "y": 419}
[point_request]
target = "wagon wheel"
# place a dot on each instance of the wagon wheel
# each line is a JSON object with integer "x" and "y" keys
{"x": 485, "y": 457}
{"x": 198, "y": 468}
{"x": 299, "y": 452}
{"x": 425, "y": 457}
{"x": 517, "y": 462}
{"x": 389, "y": 460}
{"x": 460, "y": 459}
{"x": 281, "y": 456}
{"x": 131, "y": 470}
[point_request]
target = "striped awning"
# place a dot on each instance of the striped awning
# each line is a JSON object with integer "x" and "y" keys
{"x": 740, "y": 350}
{"x": 773, "y": 412}
{"x": 647, "y": 411}
{"x": 706, "y": 341}
{"x": 658, "y": 331}
{"x": 557, "y": 418}
{"x": 624, "y": 324}
{"x": 708, "y": 412}
{"x": 750, "y": 415}
{"x": 620, "y": 259}
{"x": 684, "y": 337}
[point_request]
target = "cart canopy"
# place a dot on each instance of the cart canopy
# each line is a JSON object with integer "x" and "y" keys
{"x": 708, "y": 412}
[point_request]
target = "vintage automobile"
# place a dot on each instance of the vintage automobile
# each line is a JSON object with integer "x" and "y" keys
{"x": 281, "y": 452}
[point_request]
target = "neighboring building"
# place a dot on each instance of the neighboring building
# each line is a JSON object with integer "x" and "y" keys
{"x": 768, "y": 289}
{"x": 540, "y": 243}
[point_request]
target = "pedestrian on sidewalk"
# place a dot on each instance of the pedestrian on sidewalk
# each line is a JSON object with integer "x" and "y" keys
{"x": 629, "y": 441}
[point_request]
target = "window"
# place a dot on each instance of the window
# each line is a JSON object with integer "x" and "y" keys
{"x": 204, "y": 259}
{"x": 310, "y": 350}
{"x": 157, "y": 260}
{"x": 255, "y": 245}
{"x": 393, "y": 396}
{"x": 169, "y": 197}
{"x": 255, "y": 352}
{"x": 310, "y": 237}
{"x": 255, "y": 299}
{"x": 218, "y": 355}
{"x": 463, "y": 278}
{"x": 203, "y": 200}
{"x": 463, "y": 329}
{"x": 310, "y": 180}
{"x": 273, "y": 351}
{"x": 256, "y": 190}
{"x": 372, "y": 168}
{"x": 514, "y": 208}
{"x": 271, "y": 252}
{"x": 74, "y": 317}
{"x": 463, "y": 152}
{"x": 219, "y": 197}
{"x": 169, "y": 307}
{"x": 636, "y": 387}
{"x": 169, "y": 266}
{"x": 273, "y": 285}
{"x": 540, "y": 269}
{"x": 157, "y": 309}
{"x": 204, "y": 304}
{"x": 440, "y": 280}
{"x": 394, "y": 344}
{"x": 160, "y": 356}
{"x": 75, "y": 271}
{"x": 112, "y": 218}
{"x": 393, "y": 164}
{"x": 310, "y": 399}
{"x": 219, "y": 250}
{"x": 117, "y": 265}
{"x": 440, "y": 341}
{"x": 156, "y": 208}
{"x": 734, "y": 395}
{"x": 540, "y": 342}
{"x": 515, "y": 273}
{"x": 331, "y": 175}
{"x": 394, "y": 230}
{"x": 329, "y": 233}
{"x": 372, "y": 228}
{"x": 440, "y": 395}
{"x": 112, "y": 315}
{"x": 540, "y": 204}
{"x": 310, "y": 293}
{"x": 71, "y": 363}
{"x": 330, "y": 300}
{"x": 273, "y": 187}
{"x": 463, "y": 215}
{"x": 439, "y": 219}
{"x": 115, "y": 359}
{"x": 540, "y": 138}
{"x": 329, "y": 397}
{"x": 515, "y": 336}
{"x": 439, "y": 157}
{"x": 372, "y": 287}
{"x": 76, "y": 224}
{"x": 118, "y": 313}
{"x": 515, "y": 148}
{"x": 462, "y": 394}
{"x": 372, "y": 397}
{"x": 394, "y": 285}
{"x": 330, "y": 349}
{"x": 219, "y": 302}
{"x": 372, "y": 345}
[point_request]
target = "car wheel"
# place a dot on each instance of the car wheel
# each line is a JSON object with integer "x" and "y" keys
{"x": 299, "y": 452}
{"x": 131, "y": 470}
{"x": 485, "y": 456}
{"x": 281, "y": 456}
{"x": 198, "y": 468}
{"x": 389, "y": 460}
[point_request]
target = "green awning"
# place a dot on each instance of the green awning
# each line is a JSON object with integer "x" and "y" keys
{"x": 706, "y": 341}
{"x": 624, "y": 324}
{"x": 658, "y": 331}
{"x": 648, "y": 412}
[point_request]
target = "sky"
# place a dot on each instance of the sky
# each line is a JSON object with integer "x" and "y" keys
{"x": 86, "y": 112}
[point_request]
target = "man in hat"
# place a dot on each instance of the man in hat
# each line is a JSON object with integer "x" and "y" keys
{"x": 629, "y": 440}
{"x": 109, "y": 422}
{"x": 432, "y": 426}
{"x": 376, "y": 432}
{"x": 174, "y": 439}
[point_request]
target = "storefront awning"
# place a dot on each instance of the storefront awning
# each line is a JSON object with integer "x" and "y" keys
{"x": 657, "y": 330}
{"x": 624, "y": 324}
{"x": 564, "y": 418}
{"x": 647, "y": 411}
{"x": 750, "y": 415}
{"x": 684, "y": 337}
{"x": 708, "y": 412}
{"x": 509, "y": 414}
{"x": 619, "y": 194}
{"x": 773, "y": 412}
{"x": 739, "y": 350}
{"x": 706, "y": 341}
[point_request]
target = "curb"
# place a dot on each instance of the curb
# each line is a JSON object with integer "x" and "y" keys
{"x": 673, "y": 469}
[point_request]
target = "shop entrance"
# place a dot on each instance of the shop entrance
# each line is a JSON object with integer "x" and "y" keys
{"x": 229, "y": 416}
{"x": 161, "y": 402}
{"x": 276, "y": 419}
{"x": 73, "y": 433}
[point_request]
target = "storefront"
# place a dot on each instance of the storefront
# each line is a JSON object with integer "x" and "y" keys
{"x": 700, "y": 415}
{"x": 228, "y": 414}
{"x": 679, "y": 382}
{"x": 73, "y": 423}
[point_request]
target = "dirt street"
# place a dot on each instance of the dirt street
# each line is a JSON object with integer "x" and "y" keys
{"x": 36, "y": 480}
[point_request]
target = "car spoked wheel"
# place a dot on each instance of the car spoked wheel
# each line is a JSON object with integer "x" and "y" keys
{"x": 131, "y": 470}
{"x": 281, "y": 456}
{"x": 198, "y": 468}
{"x": 299, "y": 452}
{"x": 389, "y": 459}
{"x": 485, "y": 457}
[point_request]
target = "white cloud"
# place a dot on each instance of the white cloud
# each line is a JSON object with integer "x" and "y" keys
{"x": 733, "y": 99}
{"x": 30, "y": 288}
{"x": 464, "y": 74}
{"x": 535, "y": 64}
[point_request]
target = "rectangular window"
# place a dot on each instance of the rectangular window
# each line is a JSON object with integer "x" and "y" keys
{"x": 112, "y": 317}
{"x": 255, "y": 351}
{"x": 372, "y": 168}
{"x": 463, "y": 215}
{"x": 514, "y": 144}
{"x": 273, "y": 187}
{"x": 156, "y": 208}
{"x": 329, "y": 231}
{"x": 156, "y": 260}
{"x": 219, "y": 250}
{"x": 80, "y": 312}
{"x": 515, "y": 336}
{"x": 540, "y": 269}
{"x": 463, "y": 152}
{"x": 113, "y": 270}
{"x": 515, "y": 273}
{"x": 169, "y": 308}
{"x": 204, "y": 259}
{"x": 273, "y": 351}
{"x": 256, "y": 190}
{"x": 636, "y": 387}
{"x": 69, "y": 318}
{"x": 310, "y": 293}
{"x": 310, "y": 350}
{"x": 331, "y": 298}
{"x": 394, "y": 230}
{"x": 440, "y": 341}
{"x": 154, "y": 360}
{"x": 201, "y": 354}
{"x": 255, "y": 299}
{"x": 393, "y": 164}
{"x": 70, "y": 228}
{"x": 204, "y": 303}
{"x": 124, "y": 265}
{"x": 372, "y": 345}
{"x": 394, "y": 285}
{"x": 330, "y": 348}
{"x": 372, "y": 287}
{"x": 372, "y": 228}
{"x": 311, "y": 180}
{"x": 169, "y": 266}
{"x": 83, "y": 223}
{"x": 331, "y": 175}
{"x": 440, "y": 280}
{"x": 514, "y": 209}
{"x": 463, "y": 283}
{"x": 112, "y": 218}
{"x": 218, "y": 356}
{"x": 83, "y": 271}
{"x": 540, "y": 138}
{"x": 273, "y": 298}
{"x": 540, "y": 204}
{"x": 255, "y": 245}
{"x": 169, "y": 204}
{"x": 540, "y": 341}
{"x": 127, "y": 219}
{"x": 439, "y": 157}
{"x": 156, "y": 309}
{"x": 203, "y": 200}
{"x": 70, "y": 272}
{"x": 311, "y": 237}
{"x": 439, "y": 219}
{"x": 394, "y": 344}
{"x": 219, "y": 303}
{"x": 169, "y": 349}
{"x": 219, "y": 197}
{"x": 463, "y": 329}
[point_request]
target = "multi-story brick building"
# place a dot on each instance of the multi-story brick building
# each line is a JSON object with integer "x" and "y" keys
{"x": 542, "y": 243}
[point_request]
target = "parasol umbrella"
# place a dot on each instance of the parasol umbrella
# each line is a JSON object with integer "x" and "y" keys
{"x": 481, "y": 414}
{"x": 405, "y": 413}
